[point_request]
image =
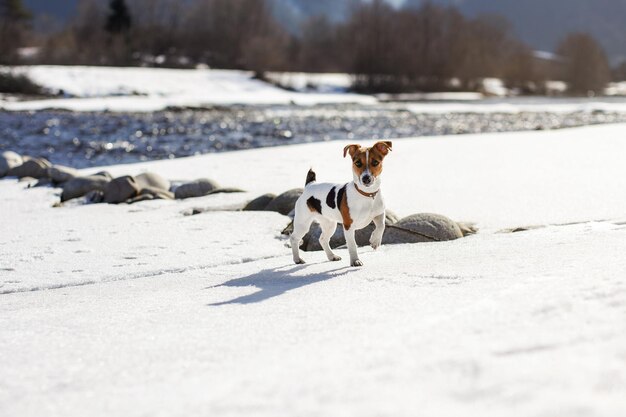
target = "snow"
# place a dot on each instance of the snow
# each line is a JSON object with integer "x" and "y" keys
{"x": 494, "y": 87}
{"x": 150, "y": 89}
{"x": 616, "y": 89}
{"x": 150, "y": 312}
{"x": 306, "y": 81}
{"x": 514, "y": 105}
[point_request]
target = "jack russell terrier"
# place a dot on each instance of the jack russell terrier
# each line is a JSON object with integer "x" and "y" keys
{"x": 354, "y": 205}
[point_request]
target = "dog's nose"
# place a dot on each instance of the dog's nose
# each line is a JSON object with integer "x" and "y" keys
{"x": 367, "y": 179}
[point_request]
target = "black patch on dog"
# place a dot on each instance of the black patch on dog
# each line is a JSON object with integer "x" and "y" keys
{"x": 330, "y": 198}
{"x": 314, "y": 204}
{"x": 340, "y": 194}
{"x": 310, "y": 177}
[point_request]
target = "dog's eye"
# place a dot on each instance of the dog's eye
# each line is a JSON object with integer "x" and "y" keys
{"x": 375, "y": 163}
{"x": 358, "y": 163}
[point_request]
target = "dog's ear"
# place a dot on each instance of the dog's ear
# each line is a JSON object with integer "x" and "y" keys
{"x": 351, "y": 149}
{"x": 383, "y": 147}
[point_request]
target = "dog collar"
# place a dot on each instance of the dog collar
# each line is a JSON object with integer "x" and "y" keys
{"x": 371, "y": 195}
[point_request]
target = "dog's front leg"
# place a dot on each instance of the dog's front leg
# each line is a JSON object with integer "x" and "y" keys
{"x": 377, "y": 234}
{"x": 350, "y": 240}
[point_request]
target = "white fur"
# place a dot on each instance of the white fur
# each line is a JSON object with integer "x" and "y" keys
{"x": 363, "y": 210}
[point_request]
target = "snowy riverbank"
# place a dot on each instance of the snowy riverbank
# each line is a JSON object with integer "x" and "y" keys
{"x": 132, "y": 89}
{"x": 148, "y": 311}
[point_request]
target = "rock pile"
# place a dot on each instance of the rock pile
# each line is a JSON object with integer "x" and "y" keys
{"x": 102, "y": 187}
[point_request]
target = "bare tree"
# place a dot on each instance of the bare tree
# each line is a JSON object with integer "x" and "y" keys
{"x": 619, "y": 72}
{"x": 14, "y": 21}
{"x": 586, "y": 68}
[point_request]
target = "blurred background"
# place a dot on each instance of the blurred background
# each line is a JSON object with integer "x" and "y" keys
{"x": 90, "y": 83}
{"x": 540, "y": 47}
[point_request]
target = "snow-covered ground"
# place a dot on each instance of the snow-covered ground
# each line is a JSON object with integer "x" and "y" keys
{"x": 305, "y": 81}
{"x": 151, "y": 89}
{"x": 523, "y": 105}
{"x": 140, "y": 310}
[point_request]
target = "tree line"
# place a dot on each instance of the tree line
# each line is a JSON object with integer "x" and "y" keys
{"x": 418, "y": 47}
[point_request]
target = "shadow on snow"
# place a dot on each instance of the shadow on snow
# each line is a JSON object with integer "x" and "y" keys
{"x": 276, "y": 281}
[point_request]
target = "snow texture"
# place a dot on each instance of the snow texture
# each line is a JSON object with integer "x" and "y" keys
{"x": 139, "y": 310}
{"x": 150, "y": 89}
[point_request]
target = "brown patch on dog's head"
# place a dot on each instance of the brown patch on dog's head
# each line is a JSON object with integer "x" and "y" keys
{"x": 360, "y": 156}
{"x": 377, "y": 154}
{"x": 383, "y": 147}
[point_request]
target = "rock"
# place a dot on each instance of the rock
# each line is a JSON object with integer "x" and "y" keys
{"x": 424, "y": 227}
{"x": 361, "y": 236}
{"x": 142, "y": 197}
{"x": 196, "y": 188}
{"x": 104, "y": 174}
{"x": 36, "y": 168}
{"x": 94, "y": 197}
{"x": 8, "y": 161}
{"x": 259, "y": 203}
{"x": 80, "y": 186}
{"x": 152, "y": 180}
{"x": 44, "y": 182}
{"x": 120, "y": 189}
{"x": 60, "y": 174}
{"x": 156, "y": 193}
{"x": 227, "y": 190}
{"x": 285, "y": 202}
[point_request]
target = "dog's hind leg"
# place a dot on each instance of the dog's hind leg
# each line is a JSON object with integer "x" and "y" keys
{"x": 328, "y": 229}
{"x": 300, "y": 228}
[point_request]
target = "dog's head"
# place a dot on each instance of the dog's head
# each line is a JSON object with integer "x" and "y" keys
{"x": 367, "y": 163}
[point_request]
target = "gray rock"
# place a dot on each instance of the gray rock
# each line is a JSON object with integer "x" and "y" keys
{"x": 259, "y": 203}
{"x": 94, "y": 197}
{"x": 152, "y": 181}
{"x": 8, "y": 161}
{"x": 80, "y": 186}
{"x": 139, "y": 198}
{"x": 104, "y": 174}
{"x": 43, "y": 182}
{"x": 423, "y": 227}
{"x": 156, "y": 193}
{"x": 196, "y": 188}
{"x": 285, "y": 202}
{"x": 60, "y": 174}
{"x": 361, "y": 236}
{"x": 120, "y": 189}
{"x": 226, "y": 190}
{"x": 36, "y": 168}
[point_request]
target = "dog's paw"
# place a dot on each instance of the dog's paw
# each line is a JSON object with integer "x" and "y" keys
{"x": 375, "y": 242}
{"x": 357, "y": 263}
{"x": 299, "y": 262}
{"x": 335, "y": 258}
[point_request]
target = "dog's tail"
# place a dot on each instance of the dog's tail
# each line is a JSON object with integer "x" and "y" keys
{"x": 310, "y": 177}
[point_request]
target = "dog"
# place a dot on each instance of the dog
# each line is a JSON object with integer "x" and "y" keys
{"x": 354, "y": 204}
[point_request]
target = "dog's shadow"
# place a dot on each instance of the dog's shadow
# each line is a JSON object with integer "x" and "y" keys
{"x": 276, "y": 281}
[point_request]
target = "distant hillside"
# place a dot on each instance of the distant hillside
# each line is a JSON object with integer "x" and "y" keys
{"x": 542, "y": 23}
